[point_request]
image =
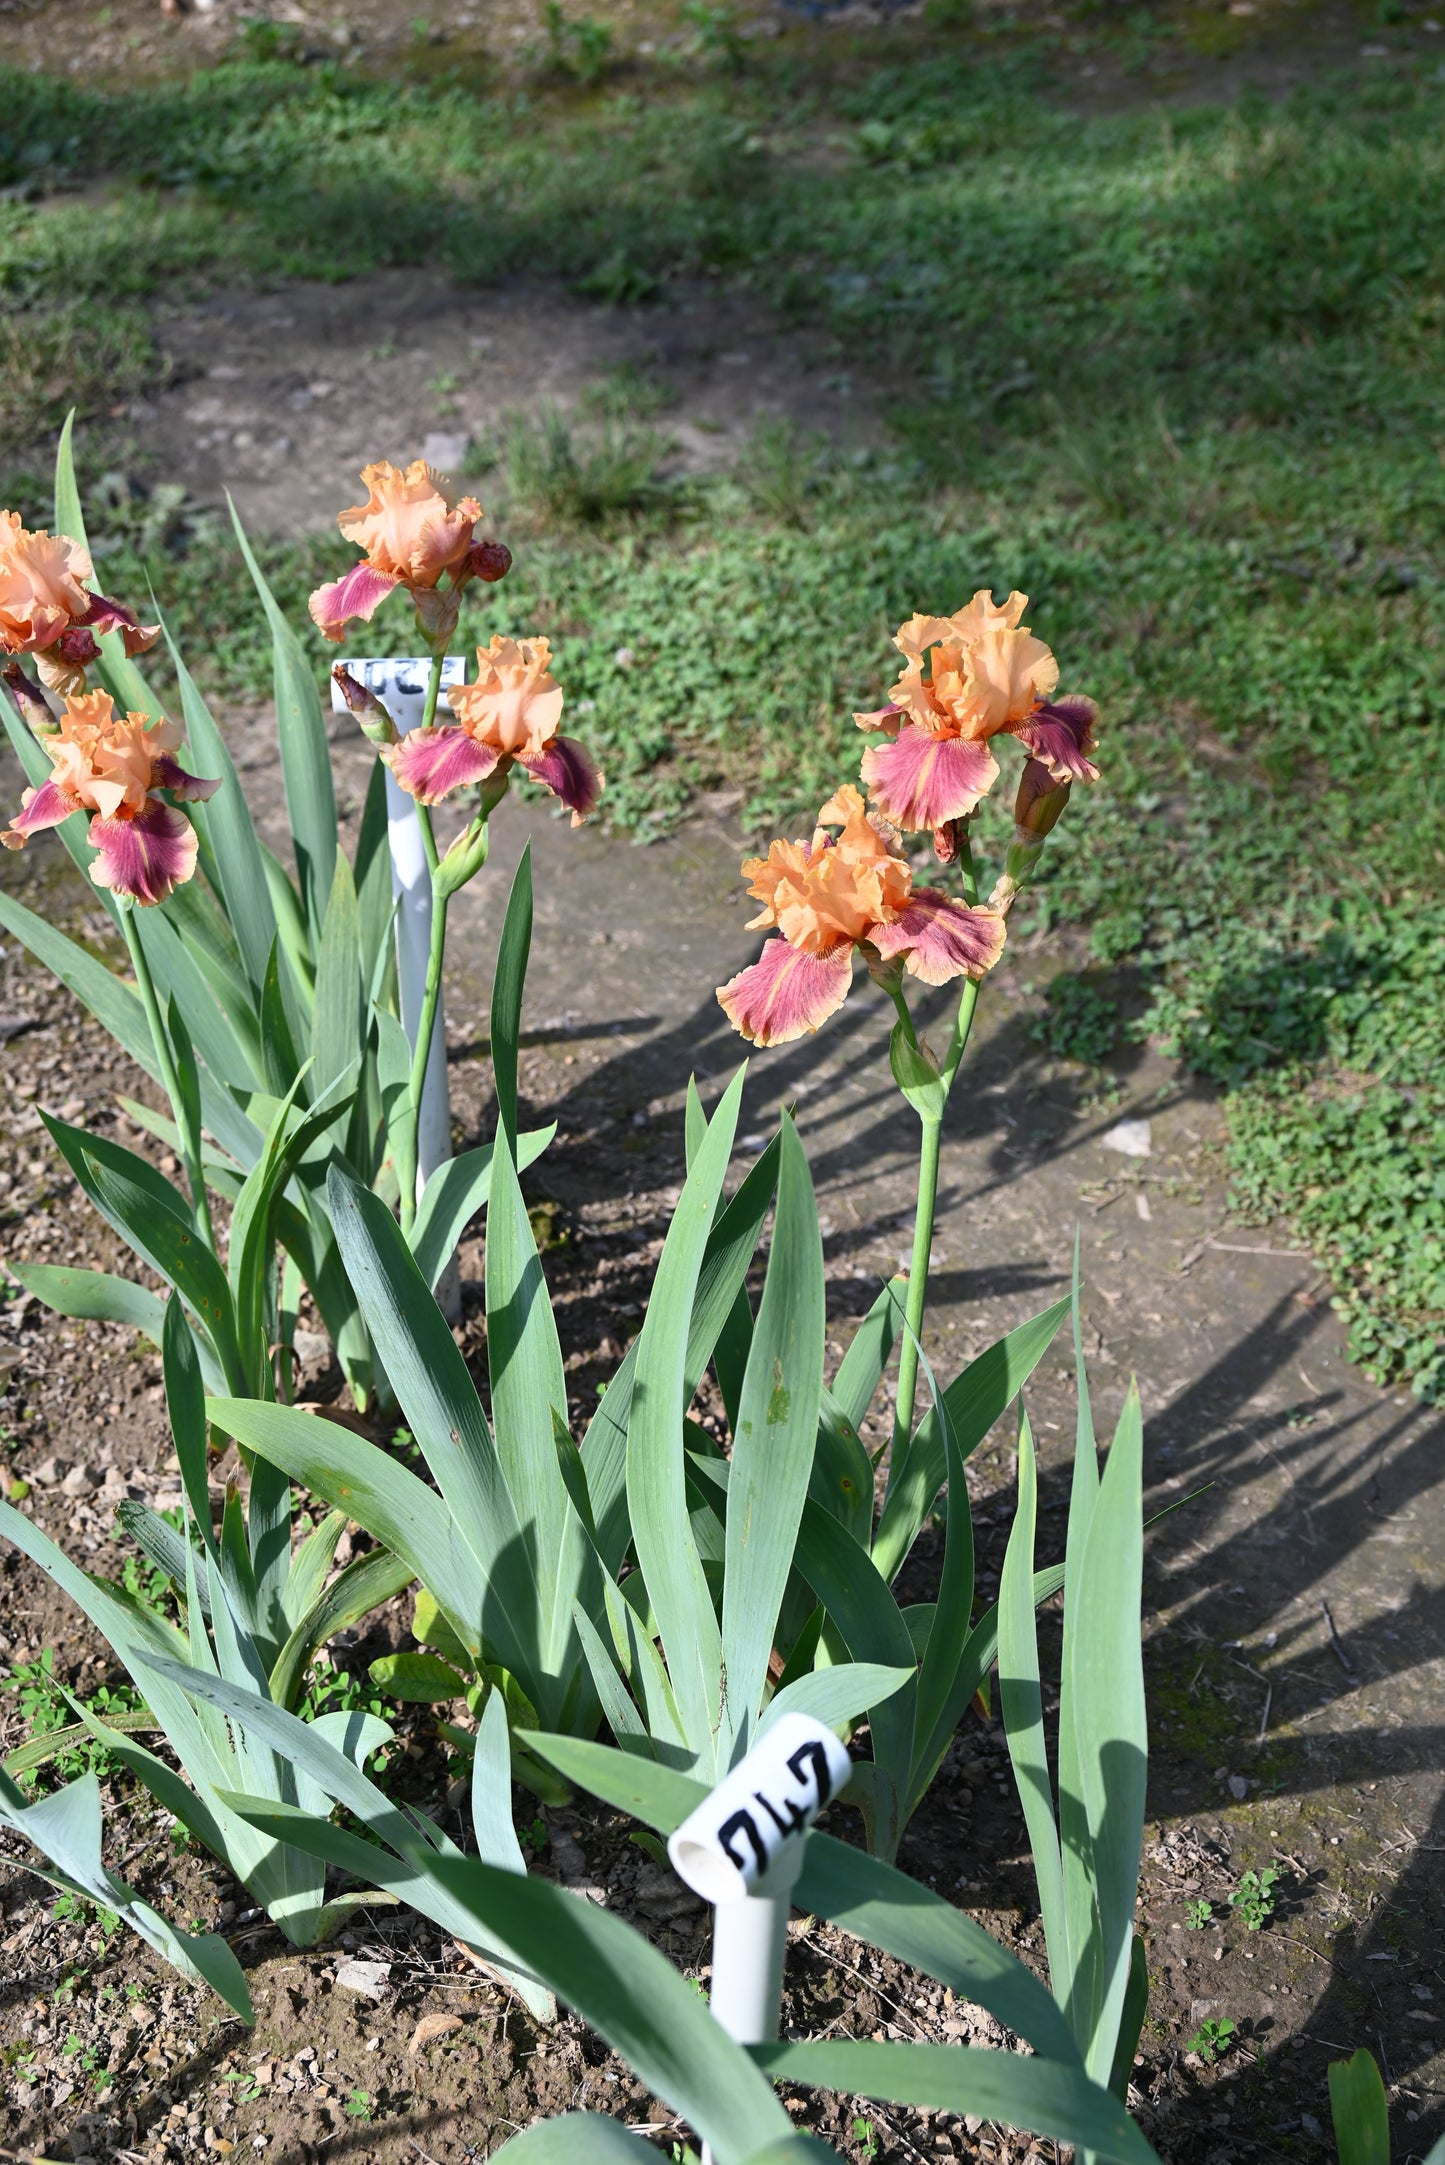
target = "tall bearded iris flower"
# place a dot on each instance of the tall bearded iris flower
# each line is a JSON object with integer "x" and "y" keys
{"x": 509, "y": 715}
{"x": 112, "y": 767}
{"x": 836, "y": 895}
{"x": 413, "y": 530}
{"x": 46, "y": 609}
{"x": 968, "y": 678}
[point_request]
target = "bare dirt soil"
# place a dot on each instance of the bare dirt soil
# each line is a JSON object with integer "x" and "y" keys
{"x": 282, "y": 396}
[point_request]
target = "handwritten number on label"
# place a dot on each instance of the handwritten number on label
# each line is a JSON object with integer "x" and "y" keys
{"x": 742, "y": 1822}
{"x": 808, "y": 1763}
{"x": 814, "y": 1755}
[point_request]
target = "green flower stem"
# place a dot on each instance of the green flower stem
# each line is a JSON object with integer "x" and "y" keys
{"x": 436, "y": 955}
{"x": 428, "y": 719}
{"x": 927, "y": 1194}
{"x": 428, "y": 837}
{"x": 917, "y": 1292}
{"x": 421, "y": 1052}
{"x": 160, "y": 1038}
{"x": 963, "y": 1023}
{"x": 895, "y": 994}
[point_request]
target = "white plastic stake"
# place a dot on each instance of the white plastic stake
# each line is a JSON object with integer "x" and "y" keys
{"x": 742, "y": 1850}
{"x": 400, "y": 684}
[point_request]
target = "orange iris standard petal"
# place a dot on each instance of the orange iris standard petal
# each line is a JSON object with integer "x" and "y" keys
{"x": 42, "y": 591}
{"x": 515, "y": 705}
{"x": 411, "y": 525}
{"x": 820, "y": 892}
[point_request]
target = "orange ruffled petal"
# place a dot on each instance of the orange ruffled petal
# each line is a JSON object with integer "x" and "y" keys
{"x": 410, "y": 525}
{"x": 42, "y": 590}
{"x": 516, "y": 703}
{"x": 820, "y": 892}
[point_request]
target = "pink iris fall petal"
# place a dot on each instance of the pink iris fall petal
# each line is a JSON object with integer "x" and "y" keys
{"x": 106, "y": 615}
{"x": 940, "y": 938}
{"x": 357, "y": 593}
{"x": 190, "y": 788}
{"x": 923, "y": 781}
{"x": 430, "y": 763}
{"x": 563, "y": 767}
{"x": 787, "y": 993}
{"x": 145, "y": 857}
{"x": 1060, "y": 735}
{"x": 39, "y": 808}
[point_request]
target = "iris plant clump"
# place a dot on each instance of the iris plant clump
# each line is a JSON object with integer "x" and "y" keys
{"x": 631, "y": 1610}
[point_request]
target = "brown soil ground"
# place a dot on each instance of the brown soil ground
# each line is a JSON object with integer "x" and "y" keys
{"x": 1293, "y": 1610}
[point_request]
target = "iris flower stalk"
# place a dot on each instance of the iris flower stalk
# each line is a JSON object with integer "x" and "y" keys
{"x": 976, "y": 676}
{"x": 929, "y": 1097}
{"x": 416, "y": 533}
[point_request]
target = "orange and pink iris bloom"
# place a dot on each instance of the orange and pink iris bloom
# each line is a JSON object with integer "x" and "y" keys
{"x": 47, "y": 610}
{"x": 112, "y": 766}
{"x": 835, "y": 894}
{"x": 412, "y": 529}
{"x": 967, "y": 678}
{"x": 509, "y": 715}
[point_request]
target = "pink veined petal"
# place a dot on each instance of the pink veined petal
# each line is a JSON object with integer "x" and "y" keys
{"x": 145, "y": 857}
{"x": 1060, "y": 735}
{"x": 430, "y": 763}
{"x": 923, "y": 781}
{"x": 570, "y": 773}
{"x": 105, "y": 615}
{"x": 188, "y": 787}
{"x": 786, "y": 993}
{"x": 940, "y": 939}
{"x": 39, "y": 808}
{"x": 358, "y": 592}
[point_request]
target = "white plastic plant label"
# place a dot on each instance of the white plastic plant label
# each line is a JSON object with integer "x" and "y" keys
{"x": 400, "y": 682}
{"x": 747, "y": 1838}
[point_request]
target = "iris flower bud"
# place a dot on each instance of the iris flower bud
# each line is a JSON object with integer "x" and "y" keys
{"x": 375, "y": 721}
{"x": 30, "y": 701}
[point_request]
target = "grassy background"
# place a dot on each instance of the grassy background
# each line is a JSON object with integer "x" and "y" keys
{"x": 1175, "y": 372}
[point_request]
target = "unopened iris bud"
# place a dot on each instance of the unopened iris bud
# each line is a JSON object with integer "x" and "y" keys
{"x": 1037, "y": 808}
{"x": 490, "y": 561}
{"x": 1040, "y": 801}
{"x": 375, "y": 721}
{"x": 886, "y": 971}
{"x": 462, "y": 862}
{"x": 31, "y": 703}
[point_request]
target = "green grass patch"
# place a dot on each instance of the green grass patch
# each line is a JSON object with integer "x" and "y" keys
{"x": 1176, "y": 374}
